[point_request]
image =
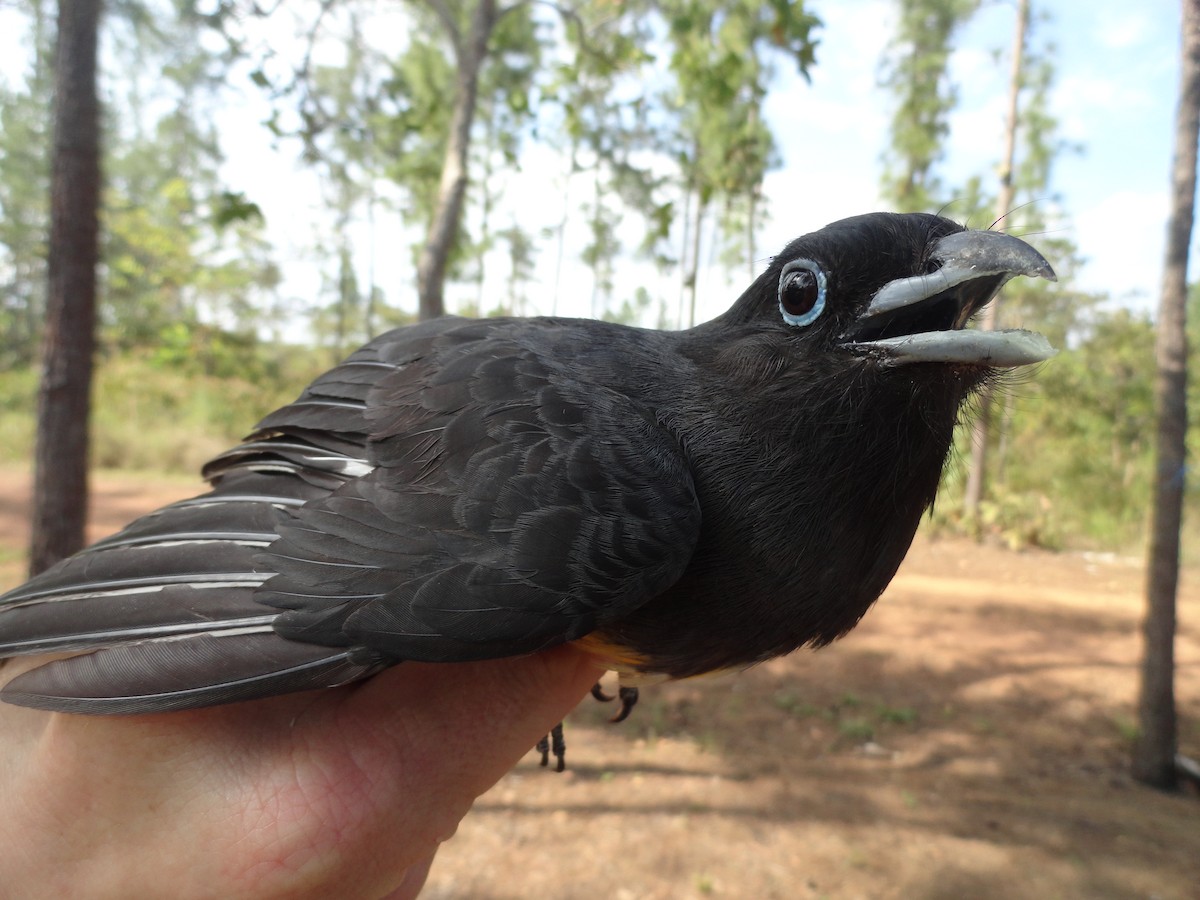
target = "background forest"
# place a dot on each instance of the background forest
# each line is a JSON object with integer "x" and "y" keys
{"x": 615, "y": 163}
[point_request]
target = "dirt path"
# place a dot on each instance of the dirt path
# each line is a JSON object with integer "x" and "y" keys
{"x": 968, "y": 740}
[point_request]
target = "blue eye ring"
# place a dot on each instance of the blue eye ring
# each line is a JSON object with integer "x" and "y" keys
{"x": 802, "y": 290}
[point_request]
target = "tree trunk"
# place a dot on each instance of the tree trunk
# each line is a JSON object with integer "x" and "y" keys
{"x": 597, "y": 235}
{"x": 980, "y": 430}
{"x": 685, "y": 248}
{"x": 693, "y": 276}
{"x": 691, "y": 272}
{"x": 561, "y": 239}
{"x": 1154, "y": 750}
{"x": 443, "y": 227}
{"x": 485, "y": 210}
{"x": 61, "y": 454}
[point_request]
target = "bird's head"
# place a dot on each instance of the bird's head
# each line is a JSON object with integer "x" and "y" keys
{"x": 852, "y": 363}
{"x": 891, "y": 290}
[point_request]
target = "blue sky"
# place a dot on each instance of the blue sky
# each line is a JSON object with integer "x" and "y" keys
{"x": 1117, "y": 66}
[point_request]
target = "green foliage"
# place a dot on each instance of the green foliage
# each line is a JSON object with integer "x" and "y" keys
{"x": 340, "y": 110}
{"x": 421, "y": 79}
{"x": 1048, "y": 497}
{"x": 24, "y": 196}
{"x": 897, "y": 715}
{"x": 1015, "y": 520}
{"x": 178, "y": 246}
{"x": 1081, "y": 435}
{"x": 378, "y": 116}
{"x": 505, "y": 115}
{"x": 1125, "y": 727}
{"x": 210, "y": 352}
{"x": 915, "y": 71}
{"x": 721, "y": 68}
{"x": 631, "y": 311}
{"x": 794, "y": 704}
{"x": 596, "y": 111}
{"x": 720, "y": 63}
{"x": 1072, "y": 464}
{"x": 232, "y": 206}
{"x": 522, "y": 256}
{"x": 154, "y": 413}
{"x": 170, "y": 409}
{"x": 18, "y": 401}
{"x": 591, "y": 66}
{"x": 186, "y": 248}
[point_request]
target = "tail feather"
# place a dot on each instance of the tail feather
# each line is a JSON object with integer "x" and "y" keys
{"x": 89, "y": 620}
{"x": 251, "y": 518}
{"x": 193, "y": 562}
{"x": 168, "y": 605}
{"x": 173, "y": 674}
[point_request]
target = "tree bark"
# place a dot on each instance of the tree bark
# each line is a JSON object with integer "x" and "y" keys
{"x": 981, "y": 429}
{"x": 1154, "y": 750}
{"x": 64, "y": 396}
{"x": 447, "y": 213}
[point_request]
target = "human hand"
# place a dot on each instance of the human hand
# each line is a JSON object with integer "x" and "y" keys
{"x": 344, "y": 792}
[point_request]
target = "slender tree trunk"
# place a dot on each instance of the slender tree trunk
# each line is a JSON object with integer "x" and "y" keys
{"x": 64, "y": 397}
{"x": 347, "y": 302}
{"x": 598, "y": 264}
{"x": 694, "y": 275}
{"x": 693, "y": 279}
{"x": 1154, "y": 750}
{"x": 751, "y": 230}
{"x": 980, "y": 430}
{"x": 485, "y": 209}
{"x": 685, "y": 248}
{"x": 562, "y": 225}
{"x": 752, "y": 209}
{"x": 447, "y": 213}
{"x": 372, "y": 293}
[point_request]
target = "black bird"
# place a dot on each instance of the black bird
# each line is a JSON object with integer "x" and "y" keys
{"x": 674, "y": 502}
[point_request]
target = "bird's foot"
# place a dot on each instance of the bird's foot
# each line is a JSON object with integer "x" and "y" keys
{"x": 627, "y": 695}
{"x": 554, "y": 741}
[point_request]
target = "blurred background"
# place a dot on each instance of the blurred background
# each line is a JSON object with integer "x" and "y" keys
{"x": 282, "y": 181}
{"x": 271, "y": 171}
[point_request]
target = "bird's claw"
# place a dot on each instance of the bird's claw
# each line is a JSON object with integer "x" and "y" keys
{"x": 627, "y": 695}
{"x": 598, "y": 693}
{"x": 554, "y": 742}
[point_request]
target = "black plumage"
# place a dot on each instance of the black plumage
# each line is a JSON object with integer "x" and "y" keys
{"x": 677, "y": 502}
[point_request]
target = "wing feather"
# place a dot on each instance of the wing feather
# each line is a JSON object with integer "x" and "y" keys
{"x": 451, "y": 492}
{"x": 166, "y": 675}
{"x": 539, "y": 507}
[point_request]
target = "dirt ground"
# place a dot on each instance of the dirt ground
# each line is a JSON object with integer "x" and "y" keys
{"x": 969, "y": 740}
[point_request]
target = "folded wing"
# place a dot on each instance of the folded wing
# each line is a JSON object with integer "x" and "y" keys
{"x": 450, "y": 492}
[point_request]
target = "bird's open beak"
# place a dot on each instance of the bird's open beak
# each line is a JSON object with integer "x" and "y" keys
{"x": 922, "y": 318}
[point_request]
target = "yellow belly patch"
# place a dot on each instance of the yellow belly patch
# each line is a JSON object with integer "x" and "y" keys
{"x": 634, "y": 669}
{"x": 614, "y": 656}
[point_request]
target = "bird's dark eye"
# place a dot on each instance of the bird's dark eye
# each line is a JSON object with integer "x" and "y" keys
{"x": 801, "y": 292}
